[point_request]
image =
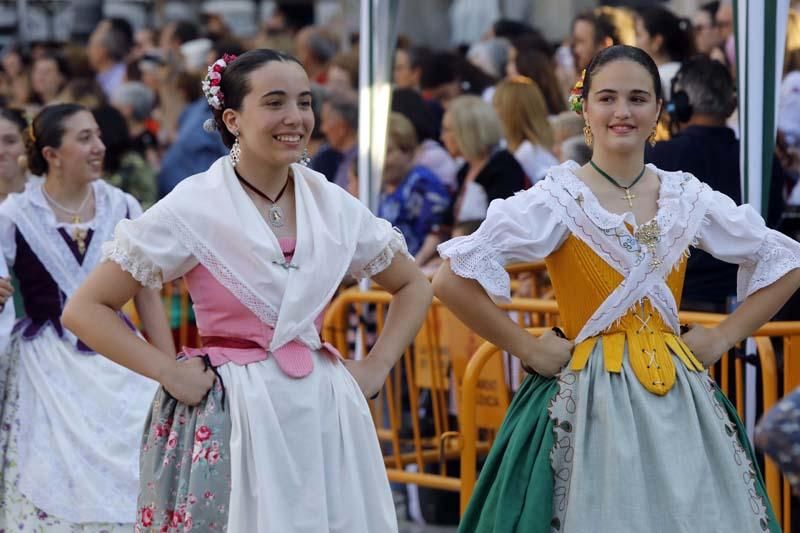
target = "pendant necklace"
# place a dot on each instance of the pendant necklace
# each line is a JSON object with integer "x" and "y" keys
{"x": 78, "y": 234}
{"x": 275, "y": 214}
{"x": 629, "y": 196}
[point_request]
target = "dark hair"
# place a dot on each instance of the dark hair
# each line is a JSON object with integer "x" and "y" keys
{"x": 709, "y": 86}
{"x": 47, "y": 129}
{"x": 675, "y": 32}
{"x": 229, "y": 45}
{"x": 711, "y": 8}
{"x": 536, "y": 65}
{"x": 235, "y": 84}
{"x": 472, "y": 78}
{"x": 603, "y": 24}
{"x": 119, "y": 38}
{"x": 185, "y": 31}
{"x": 416, "y": 55}
{"x": 622, "y": 52}
{"x": 116, "y": 136}
{"x": 15, "y": 116}
{"x": 510, "y": 28}
{"x": 438, "y": 69}
{"x": 86, "y": 91}
{"x": 411, "y": 105}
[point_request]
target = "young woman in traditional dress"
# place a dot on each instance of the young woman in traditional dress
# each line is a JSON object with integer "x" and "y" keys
{"x": 70, "y": 419}
{"x": 619, "y": 427}
{"x": 284, "y": 441}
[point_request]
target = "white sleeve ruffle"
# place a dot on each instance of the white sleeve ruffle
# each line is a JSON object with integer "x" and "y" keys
{"x": 148, "y": 250}
{"x": 378, "y": 242}
{"x": 518, "y": 229}
{"x": 738, "y": 234}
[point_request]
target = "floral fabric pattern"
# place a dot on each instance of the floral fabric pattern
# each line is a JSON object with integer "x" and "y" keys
{"x": 417, "y": 207}
{"x": 185, "y": 465}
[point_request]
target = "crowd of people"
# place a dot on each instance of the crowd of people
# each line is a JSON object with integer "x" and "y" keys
{"x": 512, "y": 148}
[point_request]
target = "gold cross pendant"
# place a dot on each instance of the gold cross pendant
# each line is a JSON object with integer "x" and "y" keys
{"x": 629, "y": 196}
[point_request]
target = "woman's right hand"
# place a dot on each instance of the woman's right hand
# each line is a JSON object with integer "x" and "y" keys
{"x": 188, "y": 381}
{"x": 548, "y": 354}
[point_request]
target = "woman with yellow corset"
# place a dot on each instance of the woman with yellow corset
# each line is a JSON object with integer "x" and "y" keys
{"x": 618, "y": 428}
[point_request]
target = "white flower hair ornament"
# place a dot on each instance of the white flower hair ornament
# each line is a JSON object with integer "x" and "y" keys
{"x": 212, "y": 89}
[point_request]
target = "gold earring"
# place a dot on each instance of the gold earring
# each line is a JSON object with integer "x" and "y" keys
{"x": 588, "y": 137}
{"x": 652, "y": 138}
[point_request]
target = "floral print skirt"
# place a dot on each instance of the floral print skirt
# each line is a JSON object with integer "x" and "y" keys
{"x": 185, "y": 465}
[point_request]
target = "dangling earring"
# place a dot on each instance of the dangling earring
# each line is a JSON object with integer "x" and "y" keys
{"x": 652, "y": 138}
{"x": 236, "y": 151}
{"x": 304, "y": 159}
{"x": 588, "y": 137}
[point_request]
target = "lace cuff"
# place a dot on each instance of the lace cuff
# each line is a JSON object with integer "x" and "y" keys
{"x": 777, "y": 256}
{"x": 475, "y": 258}
{"x": 380, "y": 263}
{"x": 138, "y": 266}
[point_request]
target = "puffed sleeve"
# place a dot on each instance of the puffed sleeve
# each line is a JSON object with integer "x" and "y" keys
{"x": 521, "y": 228}
{"x": 738, "y": 234}
{"x": 378, "y": 242}
{"x": 148, "y": 249}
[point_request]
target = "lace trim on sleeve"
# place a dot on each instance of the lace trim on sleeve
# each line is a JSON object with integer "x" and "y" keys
{"x": 138, "y": 266}
{"x": 777, "y": 255}
{"x": 380, "y": 263}
{"x": 474, "y": 258}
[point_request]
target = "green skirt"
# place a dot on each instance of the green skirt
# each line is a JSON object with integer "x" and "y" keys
{"x": 515, "y": 490}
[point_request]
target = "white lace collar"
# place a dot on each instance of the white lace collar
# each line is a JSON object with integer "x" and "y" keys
{"x": 100, "y": 189}
{"x": 668, "y": 197}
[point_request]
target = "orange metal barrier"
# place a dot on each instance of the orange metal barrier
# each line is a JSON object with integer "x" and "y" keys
{"x": 428, "y": 371}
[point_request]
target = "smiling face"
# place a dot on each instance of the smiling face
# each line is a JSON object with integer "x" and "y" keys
{"x": 622, "y": 107}
{"x": 11, "y": 147}
{"x": 80, "y": 156}
{"x": 275, "y": 119}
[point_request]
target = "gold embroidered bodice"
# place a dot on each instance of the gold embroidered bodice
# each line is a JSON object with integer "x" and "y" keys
{"x": 582, "y": 281}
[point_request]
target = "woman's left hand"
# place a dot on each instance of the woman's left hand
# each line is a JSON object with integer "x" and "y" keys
{"x": 707, "y": 344}
{"x": 369, "y": 377}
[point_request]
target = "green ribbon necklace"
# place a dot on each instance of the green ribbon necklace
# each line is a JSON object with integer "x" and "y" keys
{"x": 629, "y": 196}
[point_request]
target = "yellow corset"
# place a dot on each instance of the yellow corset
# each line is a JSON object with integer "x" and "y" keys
{"x": 582, "y": 281}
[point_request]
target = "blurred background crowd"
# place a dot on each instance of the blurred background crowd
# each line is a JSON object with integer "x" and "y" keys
{"x": 478, "y": 112}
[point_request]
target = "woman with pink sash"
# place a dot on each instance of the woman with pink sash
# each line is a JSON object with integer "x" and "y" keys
{"x": 265, "y": 428}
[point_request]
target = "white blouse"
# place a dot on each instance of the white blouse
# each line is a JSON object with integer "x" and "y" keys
{"x": 533, "y": 224}
{"x": 535, "y": 160}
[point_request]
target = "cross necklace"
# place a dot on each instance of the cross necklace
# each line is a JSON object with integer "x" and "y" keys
{"x": 629, "y": 196}
{"x": 78, "y": 234}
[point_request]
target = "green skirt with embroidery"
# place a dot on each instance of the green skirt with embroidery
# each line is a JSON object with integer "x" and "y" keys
{"x": 517, "y": 487}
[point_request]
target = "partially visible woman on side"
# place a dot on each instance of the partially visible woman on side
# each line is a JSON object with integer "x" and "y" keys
{"x": 70, "y": 419}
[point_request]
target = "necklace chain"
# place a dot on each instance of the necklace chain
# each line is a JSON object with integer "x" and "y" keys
{"x": 259, "y": 192}
{"x": 615, "y": 182}
{"x": 75, "y": 213}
